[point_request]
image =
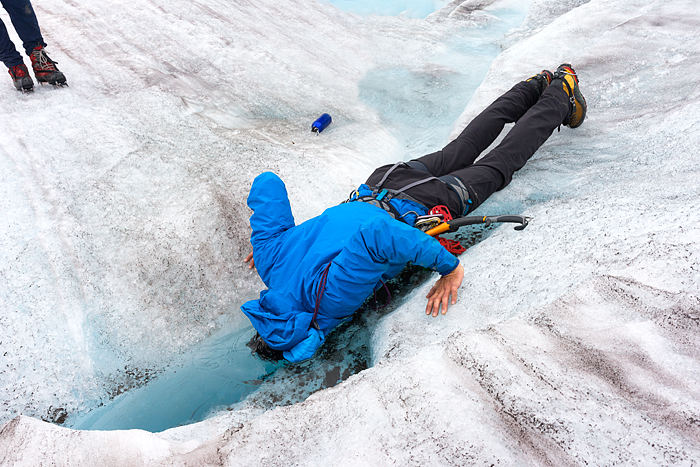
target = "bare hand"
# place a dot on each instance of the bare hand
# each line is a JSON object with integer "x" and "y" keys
{"x": 249, "y": 259}
{"x": 444, "y": 291}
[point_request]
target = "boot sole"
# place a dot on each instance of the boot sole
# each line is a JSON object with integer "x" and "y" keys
{"x": 60, "y": 81}
{"x": 25, "y": 88}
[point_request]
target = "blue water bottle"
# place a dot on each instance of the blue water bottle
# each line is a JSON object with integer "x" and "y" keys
{"x": 321, "y": 123}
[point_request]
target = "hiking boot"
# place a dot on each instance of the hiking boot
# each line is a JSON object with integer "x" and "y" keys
{"x": 45, "y": 69}
{"x": 20, "y": 77}
{"x": 570, "y": 85}
{"x": 542, "y": 79}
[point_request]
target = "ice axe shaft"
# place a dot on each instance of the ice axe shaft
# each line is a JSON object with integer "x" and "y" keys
{"x": 456, "y": 224}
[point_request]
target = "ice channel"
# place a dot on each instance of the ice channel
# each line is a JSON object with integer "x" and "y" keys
{"x": 419, "y": 109}
{"x": 407, "y": 8}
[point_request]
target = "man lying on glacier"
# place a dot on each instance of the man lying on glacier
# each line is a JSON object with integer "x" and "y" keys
{"x": 320, "y": 272}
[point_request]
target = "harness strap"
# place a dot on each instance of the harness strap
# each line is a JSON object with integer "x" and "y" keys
{"x": 319, "y": 295}
{"x": 382, "y": 204}
{"x": 419, "y": 182}
{"x": 388, "y": 299}
{"x": 380, "y": 196}
{"x": 392, "y": 193}
{"x": 462, "y": 192}
{"x": 386, "y": 175}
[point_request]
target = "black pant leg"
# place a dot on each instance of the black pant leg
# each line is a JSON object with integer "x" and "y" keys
{"x": 495, "y": 170}
{"x": 482, "y": 130}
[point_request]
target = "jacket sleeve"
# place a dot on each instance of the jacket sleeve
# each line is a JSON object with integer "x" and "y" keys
{"x": 272, "y": 213}
{"x": 380, "y": 244}
{"x": 387, "y": 240}
{"x": 289, "y": 331}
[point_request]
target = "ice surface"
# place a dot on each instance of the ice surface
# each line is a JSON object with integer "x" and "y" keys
{"x": 573, "y": 342}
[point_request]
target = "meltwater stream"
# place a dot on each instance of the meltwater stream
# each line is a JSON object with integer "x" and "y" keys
{"x": 406, "y": 8}
{"x": 418, "y": 107}
{"x": 216, "y": 373}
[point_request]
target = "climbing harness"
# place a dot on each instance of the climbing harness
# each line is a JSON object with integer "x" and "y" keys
{"x": 438, "y": 220}
{"x": 380, "y": 196}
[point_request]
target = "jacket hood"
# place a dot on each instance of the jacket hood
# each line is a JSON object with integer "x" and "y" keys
{"x": 284, "y": 325}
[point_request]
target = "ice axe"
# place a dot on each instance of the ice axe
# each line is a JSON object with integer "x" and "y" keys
{"x": 455, "y": 224}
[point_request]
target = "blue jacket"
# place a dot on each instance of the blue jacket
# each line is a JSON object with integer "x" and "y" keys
{"x": 364, "y": 244}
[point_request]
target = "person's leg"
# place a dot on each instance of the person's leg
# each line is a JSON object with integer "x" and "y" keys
{"x": 25, "y": 23}
{"x": 495, "y": 170}
{"x": 13, "y": 60}
{"x": 463, "y": 151}
{"x": 8, "y": 53}
{"x": 470, "y": 183}
{"x": 482, "y": 130}
{"x": 27, "y": 27}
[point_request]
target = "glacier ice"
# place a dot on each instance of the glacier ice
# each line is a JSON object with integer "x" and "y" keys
{"x": 573, "y": 342}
